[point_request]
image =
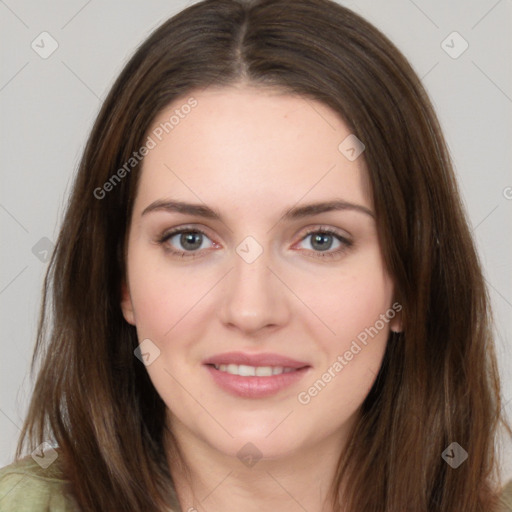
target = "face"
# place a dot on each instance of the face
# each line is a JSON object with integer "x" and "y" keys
{"x": 254, "y": 273}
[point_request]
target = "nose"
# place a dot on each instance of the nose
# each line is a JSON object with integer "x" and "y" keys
{"x": 254, "y": 298}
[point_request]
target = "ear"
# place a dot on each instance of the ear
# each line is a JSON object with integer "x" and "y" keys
{"x": 126, "y": 304}
{"x": 395, "y": 323}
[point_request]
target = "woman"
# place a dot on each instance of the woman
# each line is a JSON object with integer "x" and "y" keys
{"x": 264, "y": 279}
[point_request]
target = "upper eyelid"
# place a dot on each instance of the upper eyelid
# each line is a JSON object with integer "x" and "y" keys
{"x": 308, "y": 230}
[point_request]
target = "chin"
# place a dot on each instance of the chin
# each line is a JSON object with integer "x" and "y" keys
{"x": 250, "y": 450}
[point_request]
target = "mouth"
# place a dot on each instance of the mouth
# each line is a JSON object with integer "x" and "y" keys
{"x": 245, "y": 381}
{"x": 243, "y": 370}
{"x": 253, "y": 360}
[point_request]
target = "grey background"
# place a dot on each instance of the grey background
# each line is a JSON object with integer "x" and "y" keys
{"x": 48, "y": 107}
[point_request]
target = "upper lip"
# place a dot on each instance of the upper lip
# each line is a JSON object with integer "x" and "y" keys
{"x": 263, "y": 359}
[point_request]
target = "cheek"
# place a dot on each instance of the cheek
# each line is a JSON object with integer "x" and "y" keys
{"x": 349, "y": 303}
{"x": 349, "y": 361}
{"x": 161, "y": 295}
{"x": 357, "y": 308}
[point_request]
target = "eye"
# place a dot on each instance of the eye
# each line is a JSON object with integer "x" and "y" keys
{"x": 191, "y": 242}
{"x": 322, "y": 240}
{"x": 190, "y": 239}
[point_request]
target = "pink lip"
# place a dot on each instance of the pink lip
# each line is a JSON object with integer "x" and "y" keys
{"x": 265, "y": 359}
{"x": 255, "y": 387}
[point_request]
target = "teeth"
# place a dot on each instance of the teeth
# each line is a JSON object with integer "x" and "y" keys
{"x": 252, "y": 371}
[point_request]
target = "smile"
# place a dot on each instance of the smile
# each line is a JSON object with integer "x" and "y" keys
{"x": 253, "y": 371}
{"x": 245, "y": 381}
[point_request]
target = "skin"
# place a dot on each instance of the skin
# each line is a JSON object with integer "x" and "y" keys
{"x": 251, "y": 154}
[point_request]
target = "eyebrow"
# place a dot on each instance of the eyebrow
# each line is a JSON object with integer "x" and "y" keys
{"x": 294, "y": 213}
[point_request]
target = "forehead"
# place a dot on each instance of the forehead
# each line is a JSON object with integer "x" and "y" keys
{"x": 251, "y": 146}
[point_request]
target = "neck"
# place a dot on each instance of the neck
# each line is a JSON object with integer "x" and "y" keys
{"x": 206, "y": 479}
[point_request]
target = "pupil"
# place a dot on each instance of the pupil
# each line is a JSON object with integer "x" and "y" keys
{"x": 321, "y": 239}
{"x": 187, "y": 241}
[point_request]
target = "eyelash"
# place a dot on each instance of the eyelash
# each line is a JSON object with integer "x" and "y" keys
{"x": 318, "y": 254}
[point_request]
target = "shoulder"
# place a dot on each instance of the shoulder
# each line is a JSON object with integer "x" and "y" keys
{"x": 29, "y": 486}
{"x": 506, "y": 498}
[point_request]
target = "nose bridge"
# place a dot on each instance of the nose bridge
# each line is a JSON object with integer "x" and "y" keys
{"x": 254, "y": 296}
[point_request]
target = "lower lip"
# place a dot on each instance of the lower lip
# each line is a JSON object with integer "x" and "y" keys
{"x": 255, "y": 387}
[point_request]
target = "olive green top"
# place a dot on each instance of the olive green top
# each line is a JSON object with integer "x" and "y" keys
{"x": 26, "y": 486}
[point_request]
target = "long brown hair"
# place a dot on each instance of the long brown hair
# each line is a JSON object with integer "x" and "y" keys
{"x": 439, "y": 381}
